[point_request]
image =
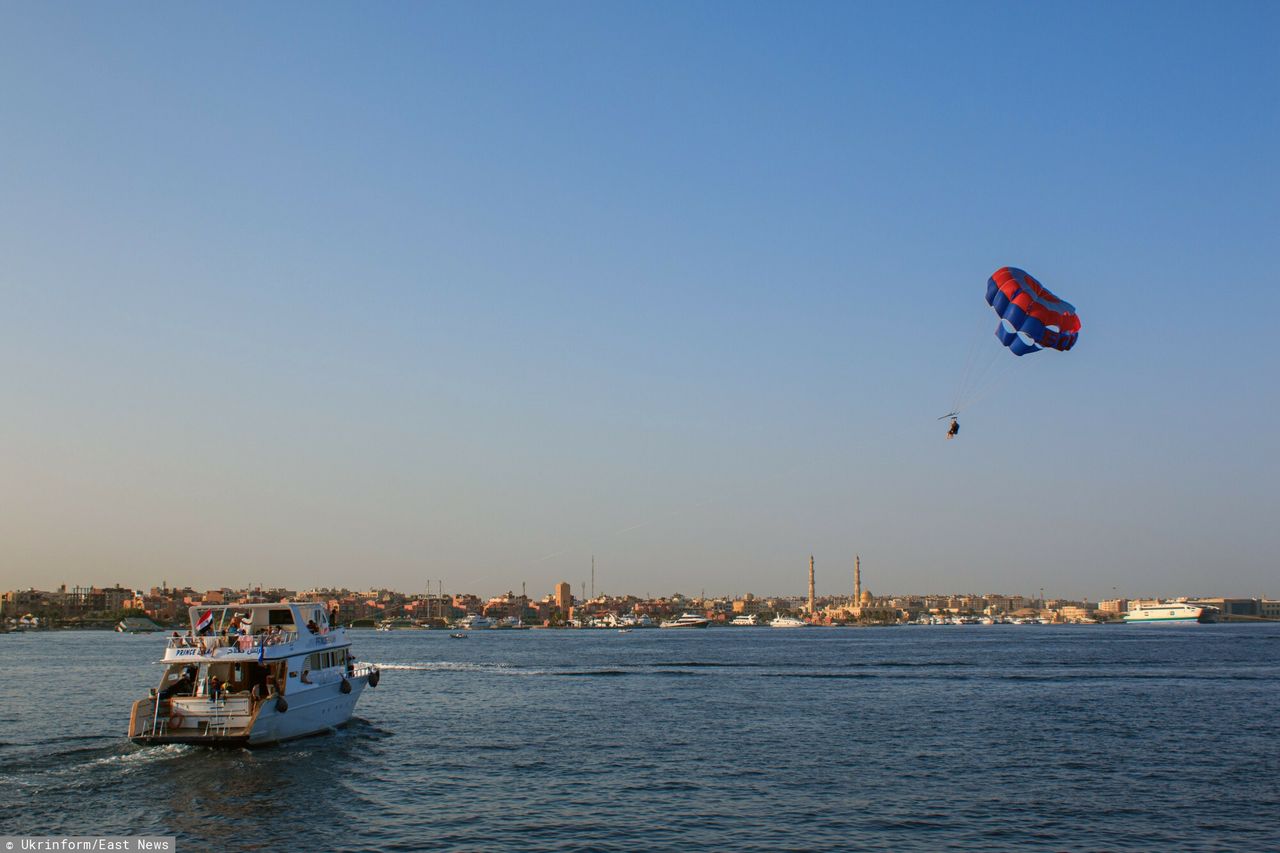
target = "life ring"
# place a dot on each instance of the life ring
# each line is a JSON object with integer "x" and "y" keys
{"x": 373, "y": 678}
{"x": 345, "y": 687}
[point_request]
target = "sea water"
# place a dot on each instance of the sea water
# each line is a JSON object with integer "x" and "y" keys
{"x": 1123, "y": 737}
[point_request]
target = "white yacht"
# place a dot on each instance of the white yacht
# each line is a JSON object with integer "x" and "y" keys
{"x": 250, "y": 674}
{"x": 788, "y": 622}
{"x": 473, "y": 621}
{"x": 746, "y": 619}
{"x": 1171, "y": 611}
{"x": 686, "y": 620}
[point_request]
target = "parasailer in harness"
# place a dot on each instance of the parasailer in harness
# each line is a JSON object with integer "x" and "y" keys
{"x": 954, "y": 429}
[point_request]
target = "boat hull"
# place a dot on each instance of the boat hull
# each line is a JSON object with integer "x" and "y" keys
{"x": 1164, "y": 620}
{"x": 313, "y": 711}
{"x": 1177, "y": 614}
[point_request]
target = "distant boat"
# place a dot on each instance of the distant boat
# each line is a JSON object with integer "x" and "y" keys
{"x": 137, "y": 625}
{"x": 458, "y": 636}
{"x": 746, "y": 619}
{"x": 624, "y": 630}
{"x": 788, "y": 622}
{"x": 1171, "y": 611}
{"x": 473, "y": 622}
{"x": 687, "y": 620}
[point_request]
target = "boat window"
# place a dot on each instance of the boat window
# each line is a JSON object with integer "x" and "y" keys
{"x": 325, "y": 660}
{"x": 280, "y": 617}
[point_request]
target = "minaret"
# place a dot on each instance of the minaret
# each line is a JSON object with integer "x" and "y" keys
{"x": 857, "y": 580}
{"x": 810, "y": 584}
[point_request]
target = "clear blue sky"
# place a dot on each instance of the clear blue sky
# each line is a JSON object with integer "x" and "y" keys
{"x": 365, "y": 295}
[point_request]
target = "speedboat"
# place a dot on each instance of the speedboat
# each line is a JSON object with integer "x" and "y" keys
{"x": 788, "y": 622}
{"x": 687, "y": 620}
{"x": 252, "y": 674}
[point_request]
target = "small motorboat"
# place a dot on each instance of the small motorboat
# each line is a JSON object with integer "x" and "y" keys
{"x": 624, "y": 630}
{"x": 458, "y": 636}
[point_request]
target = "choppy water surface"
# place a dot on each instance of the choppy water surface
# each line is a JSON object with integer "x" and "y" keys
{"x": 965, "y": 737}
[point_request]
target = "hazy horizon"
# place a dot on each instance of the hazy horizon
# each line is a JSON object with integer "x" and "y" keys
{"x": 304, "y": 294}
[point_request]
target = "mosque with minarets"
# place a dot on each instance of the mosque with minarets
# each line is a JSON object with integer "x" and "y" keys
{"x": 862, "y": 606}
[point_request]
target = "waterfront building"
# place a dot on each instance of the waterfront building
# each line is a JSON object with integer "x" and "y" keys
{"x": 1234, "y": 609}
{"x": 467, "y": 603}
{"x": 998, "y": 603}
{"x": 563, "y": 596}
{"x": 509, "y": 606}
{"x": 1074, "y": 613}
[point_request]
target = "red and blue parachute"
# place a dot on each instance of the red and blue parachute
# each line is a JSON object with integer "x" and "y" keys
{"x": 1031, "y": 317}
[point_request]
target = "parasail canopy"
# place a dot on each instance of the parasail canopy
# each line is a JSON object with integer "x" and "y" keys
{"x": 1032, "y": 318}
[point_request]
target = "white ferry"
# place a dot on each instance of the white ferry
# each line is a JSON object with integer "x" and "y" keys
{"x": 788, "y": 622}
{"x": 687, "y": 620}
{"x": 1171, "y": 611}
{"x": 251, "y": 674}
{"x": 748, "y": 619}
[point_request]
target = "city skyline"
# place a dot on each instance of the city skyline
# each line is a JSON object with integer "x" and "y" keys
{"x": 427, "y": 293}
{"x": 82, "y": 606}
{"x": 575, "y": 589}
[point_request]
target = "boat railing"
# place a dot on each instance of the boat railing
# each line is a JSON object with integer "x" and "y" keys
{"x": 153, "y": 716}
{"x": 241, "y": 642}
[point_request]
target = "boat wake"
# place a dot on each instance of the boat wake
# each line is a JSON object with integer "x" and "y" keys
{"x": 145, "y": 755}
{"x": 445, "y": 666}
